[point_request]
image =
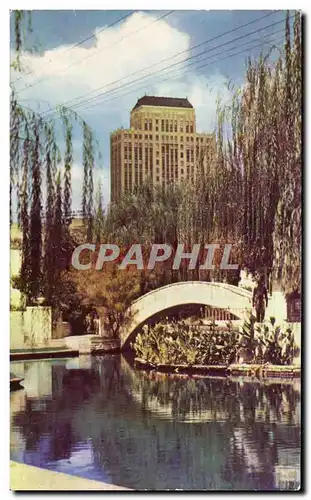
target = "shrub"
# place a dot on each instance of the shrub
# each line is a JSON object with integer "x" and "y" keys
{"x": 180, "y": 343}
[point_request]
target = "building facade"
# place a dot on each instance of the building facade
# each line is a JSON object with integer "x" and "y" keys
{"x": 161, "y": 146}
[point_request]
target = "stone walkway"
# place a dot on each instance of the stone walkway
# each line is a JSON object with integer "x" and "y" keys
{"x": 28, "y": 478}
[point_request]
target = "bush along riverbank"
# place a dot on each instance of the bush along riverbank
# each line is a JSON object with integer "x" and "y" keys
{"x": 253, "y": 349}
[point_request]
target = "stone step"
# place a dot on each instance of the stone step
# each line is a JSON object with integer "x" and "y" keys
{"x": 57, "y": 343}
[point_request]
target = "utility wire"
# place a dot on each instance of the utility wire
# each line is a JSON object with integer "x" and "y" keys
{"x": 245, "y": 51}
{"x": 80, "y": 43}
{"x": 74, "y": 63}
{"x": 174, "y": 56}
{"x": 95, "y": 98}
{"x": 180, "y": 73}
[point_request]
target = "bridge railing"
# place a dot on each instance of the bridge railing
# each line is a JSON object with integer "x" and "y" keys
{"x": 239, "y": 291}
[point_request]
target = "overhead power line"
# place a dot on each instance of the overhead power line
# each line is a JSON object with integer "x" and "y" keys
{"x": 126, "y": 84}
{"x": 82, "y": 100}
{"x": 79, "y": 43}
{"x": 179, "y": 73}
{"x": 74, "y": 63}
{"x": 185, "y": 71}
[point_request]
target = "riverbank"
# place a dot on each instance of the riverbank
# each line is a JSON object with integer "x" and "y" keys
{"x": 42, "y": 353}
{"x": 29, "y": 478}
{"x": 254, "y": 370}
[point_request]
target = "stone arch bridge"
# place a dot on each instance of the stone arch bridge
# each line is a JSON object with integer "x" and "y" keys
{"x": 233, "y": 299}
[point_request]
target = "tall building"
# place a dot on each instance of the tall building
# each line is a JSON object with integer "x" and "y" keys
{"x": 161, "y": 146}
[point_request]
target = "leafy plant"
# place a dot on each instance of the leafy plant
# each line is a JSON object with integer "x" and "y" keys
{"x": 267, "y": 342}
{"x": 180, "y": 343}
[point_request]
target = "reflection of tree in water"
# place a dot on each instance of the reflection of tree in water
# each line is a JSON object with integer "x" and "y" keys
{"x": 138, "y": 447}
{"x": 249, "y": 411}
{"x": 224, "y": 398}
{"x": 52, "y": 416}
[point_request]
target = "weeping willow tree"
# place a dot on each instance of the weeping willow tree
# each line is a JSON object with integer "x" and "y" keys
{"x": 287, "y": 230}
{"x": 248, "y": 180}
{"x": 40, "y": 183}
{"x": 264, "y": 149}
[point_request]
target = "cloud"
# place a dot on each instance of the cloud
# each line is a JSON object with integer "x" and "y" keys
{"x": 64, "y": 74}
{"x": 136, "y": 43}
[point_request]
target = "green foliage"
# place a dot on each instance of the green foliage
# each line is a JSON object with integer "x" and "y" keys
{"x": 180, "y": 343}
{"x": 35, "y": 226}
{"x": 247, "y": 191}
{"x": 34, "y": 157}
{"x": 110, "y": 292}
{"x": 287, "y": 231}
{"x": 99, "y": 219}
{"x": 248, "y": 184}
{"x": 267, "y": 343}
{"x": 87, "y": 188}
{"x": 22, "y": 27}
{"x": 67, "y": 175}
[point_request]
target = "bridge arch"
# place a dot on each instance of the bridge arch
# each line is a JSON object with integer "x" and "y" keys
{"x": 235, "y": 300}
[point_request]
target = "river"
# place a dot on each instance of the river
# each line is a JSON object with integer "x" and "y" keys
{"x": 98, "y": 418}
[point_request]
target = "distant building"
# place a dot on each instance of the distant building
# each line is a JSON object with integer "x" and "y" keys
{"x": 161, "y": 146}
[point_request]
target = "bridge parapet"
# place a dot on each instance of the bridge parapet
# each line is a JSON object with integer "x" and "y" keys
{"x": 218, "y": 295}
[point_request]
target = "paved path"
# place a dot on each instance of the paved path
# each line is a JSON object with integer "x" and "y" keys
{"x": 26, "y": 477}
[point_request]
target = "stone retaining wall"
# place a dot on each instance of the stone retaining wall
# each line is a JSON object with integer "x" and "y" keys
{"x": 31, "y": 328}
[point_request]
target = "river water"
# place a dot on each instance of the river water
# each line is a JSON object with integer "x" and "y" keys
{"x": 98, "y": 418}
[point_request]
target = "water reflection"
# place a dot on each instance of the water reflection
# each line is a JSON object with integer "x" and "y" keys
{"x": 98, "y": 418}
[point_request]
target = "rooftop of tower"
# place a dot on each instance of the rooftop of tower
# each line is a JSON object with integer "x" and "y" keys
{"x": 171, "y": 102}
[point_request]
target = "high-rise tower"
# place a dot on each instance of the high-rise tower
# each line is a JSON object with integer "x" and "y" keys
{"x": 161, "y": 146}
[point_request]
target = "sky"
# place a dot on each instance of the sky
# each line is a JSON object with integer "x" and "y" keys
{"x": 100, "y": 62}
